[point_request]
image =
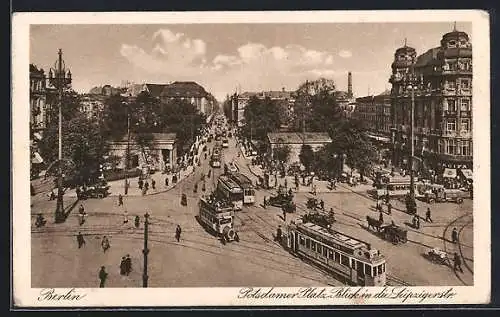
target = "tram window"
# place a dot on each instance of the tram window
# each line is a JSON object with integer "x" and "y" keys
{"x": 379, "y": 269}
{"x": 320, "y": 248}
{"x": 325, "y": 252}
{"x": 302, "y": 240}
{"x": 308, "y": 243}
{"x": 330, "y": 254}
{"x": 344, "y": 260}
{"x": 353, "y": 264}
{"x": 383, "y": 268}
{"x": 313, "y": 245}
{"x": 367, "y": 269}
{"x": 374, "y": 271}
{"x": 337, "y": 257}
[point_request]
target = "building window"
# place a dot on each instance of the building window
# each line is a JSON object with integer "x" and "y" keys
{"x": 451, "y": 125}
{"x": 464, "y": 124}
{"x": 465, "y": 104}
{"x": 451, "y": 105}
{"x": 465, "y": 84}
{"x": 452, "y": 44}
{"x": 451, "y": 147}
{"x": 450, "y": 84}
{"x": 463, "y": 148}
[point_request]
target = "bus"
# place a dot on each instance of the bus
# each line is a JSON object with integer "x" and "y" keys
{"x": 356, "y": 262}
{"x": 246, "y": 184}
{"x": 228, "y": 189}
{"x": 215, "y": 160}
{"x": 396, "y": 186}
{"x": 218, "y": 217}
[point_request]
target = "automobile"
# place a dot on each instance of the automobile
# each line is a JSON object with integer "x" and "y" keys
{"x": 253, "y": 152}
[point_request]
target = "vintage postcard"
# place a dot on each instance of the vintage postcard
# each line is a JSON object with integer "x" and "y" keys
{"x": 251, "y": 158}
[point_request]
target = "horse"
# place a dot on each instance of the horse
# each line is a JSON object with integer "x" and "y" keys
{"x": 373, "y": 223}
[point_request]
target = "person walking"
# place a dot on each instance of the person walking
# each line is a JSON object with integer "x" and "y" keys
{"x": 178, "y": 231}
{"x": 454, "y": 236}
{"x": 153, "y": 184}
{"x": 120, "y": 200}
{"x": 166, "y": 181}
{"x": 418, "y": 222}
{"x": 265, "y": 202}
{"x": 105, "y": 244}
{"x": 103, "y": 275}
{"x": 128, "y": 265}
{"x": 457, "y": 263}
{"x": 322, "y": 204}
{"x": 389, "y": 208}
{"x": 146, "y": 186}
{"x": 137, "y": 221}
{"x": 80, "y": 240}
{"x": 284, "y": 215}
{"x": 428, "y": 215}
{"x": 123, "y": 268}
{"x": 125, "y": 217}
{"x": 381, "y": 217}
{"x": 141, "y": 183}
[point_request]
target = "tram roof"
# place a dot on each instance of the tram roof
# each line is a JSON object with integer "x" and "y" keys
{"x": 241, "y": 179}
{"x": 335, "y": 236}
{"x": 228, "y": 181}
{"x": 216, "y": 205}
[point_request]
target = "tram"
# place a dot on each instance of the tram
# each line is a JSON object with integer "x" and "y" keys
{"x": 351, "y": 259}
{"x": 229, "y": 190}
{"x": 246, "y": 184}
{"x": 218, "y": 217}
{"x": 215, "y": 160}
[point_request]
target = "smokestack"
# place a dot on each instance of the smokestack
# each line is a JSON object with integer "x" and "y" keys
{"x": 349, "y": 84}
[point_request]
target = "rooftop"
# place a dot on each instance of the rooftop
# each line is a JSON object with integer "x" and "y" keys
{"x": 184, "y": 89}
{"x": 297, "y": 138}
{"x": 155, "y": 89}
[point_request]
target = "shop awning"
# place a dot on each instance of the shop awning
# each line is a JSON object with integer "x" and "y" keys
{"x": 450, "y": 173}
{"x": 467, "y": 173}
{"x": 36, "y": 158}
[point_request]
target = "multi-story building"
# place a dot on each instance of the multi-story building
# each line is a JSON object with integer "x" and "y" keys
{"x": 191, "y": 92}
{"x": 375, "y": 113}
{"x": 442, "y": 106}
{"x": 38, "y": 107}
{"x": 240, "y": 101}
{"x": 92, "y": 105}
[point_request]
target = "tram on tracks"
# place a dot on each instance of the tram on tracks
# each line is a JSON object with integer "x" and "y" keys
{"x": 350, "y": 259}
{"x": 246, "y": 184}
{"x": 217, "y": 216}
{"x": 229, "y": 190}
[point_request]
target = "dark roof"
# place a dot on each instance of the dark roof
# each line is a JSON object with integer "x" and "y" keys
{"x": 428, "y": 58}
{"x": 34, "y": 69}
{"x": 155, "y": 89}
{"x": 184, "y": 89}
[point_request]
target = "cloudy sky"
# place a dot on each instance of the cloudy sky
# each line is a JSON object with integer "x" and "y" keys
{"x": 226, "y": 57}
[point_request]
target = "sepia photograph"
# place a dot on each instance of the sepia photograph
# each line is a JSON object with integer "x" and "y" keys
{"x": 312, "y": 158}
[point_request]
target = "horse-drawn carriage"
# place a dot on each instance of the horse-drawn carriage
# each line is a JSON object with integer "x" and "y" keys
{"x": 390, "y": 232}
{"x": 289, "y": 207}
{"x": 313, "y": 203}
{"x": 95, "y": 191}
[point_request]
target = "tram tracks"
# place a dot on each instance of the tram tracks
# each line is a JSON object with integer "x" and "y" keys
{"x": 445, "y": 241}
{"x": 396, "y": 281}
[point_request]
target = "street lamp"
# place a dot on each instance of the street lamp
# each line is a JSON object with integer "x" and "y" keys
{"x": 127, "y": 154}
{"x": 60, "y": 79}
{"x": 413, "y": 82}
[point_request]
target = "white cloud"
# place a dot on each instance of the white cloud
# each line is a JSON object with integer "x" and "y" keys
{"x": 253, "y": 66}
{"x": 345, "y": 54}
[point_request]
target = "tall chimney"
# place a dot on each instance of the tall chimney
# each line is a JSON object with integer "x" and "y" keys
{"x": 349, "y": 85}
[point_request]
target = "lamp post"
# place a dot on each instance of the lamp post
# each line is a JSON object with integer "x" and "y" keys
{"x": 413, "y": 82}
{"x": 145, "y": 251}
{"x": 127, "y": 154}
{"x": 60, "y": 79}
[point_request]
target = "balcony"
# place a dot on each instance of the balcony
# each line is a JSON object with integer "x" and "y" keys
{"x": 465, "y": 114}
{"x": 449, "y": 113}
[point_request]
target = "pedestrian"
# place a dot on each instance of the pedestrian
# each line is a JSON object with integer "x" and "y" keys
{"x": 105, "y": 244}
{"x": 178, "y": 231}
{"x": 166, "y": 181}
{"x": 428, "y": 215}
{"x": 137, "y": 221}
{"x": 141, "y": 183}
{"x": 454, "y": 236}
{"x": 457, "y": 263}
{"x": 125, "y": 217}
{"x": 123, "y": 268}
{"x": 120, "y": 200}
{"x": 80, "y": 240}
{"x": 265, "y": 201}
{"x": 146, "y": 186}
{"x": 322, "y": 204}
{"x": 78, "y": 192}
{"x": 290, "y": 192}
{"x": 153, "y": 184}
{"x": 102, "y": 276}
{"x": 381, "y": 217}
{"x": 278, "y": 234}
{"x": 81, "y": 215}
{"x": 284, "y": 215}
{"x": 418, "y": 222}
{"x": 144, "y": 190}
{"x": 127, "y": 184}
{"x": 314, "y": 190}
{"x": 128, "y": 265}
{"x": 286, "y": 183}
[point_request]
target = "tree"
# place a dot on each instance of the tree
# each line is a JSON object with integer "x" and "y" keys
{"x": 227, "y": 107}
{"x": 306, "y": 156}
{"x": 282, "y": 152}
{"x": 84, "y": 148}
{"x": 316, "y": 106}
{"x": 261, "y": 117}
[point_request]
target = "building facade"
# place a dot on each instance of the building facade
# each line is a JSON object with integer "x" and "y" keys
{"x": 295, "y": 141}
{"x": 159, "y": 154}
{"x": 92, "y": 105}
{"x": 375, "y": 113}
{"x": 38, "y": 98}
{"x": 191, "y": 92}
{"x": 442, "y": 87}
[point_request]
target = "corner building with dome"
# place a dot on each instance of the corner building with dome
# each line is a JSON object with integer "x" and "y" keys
{"x": 441, "y": 79}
